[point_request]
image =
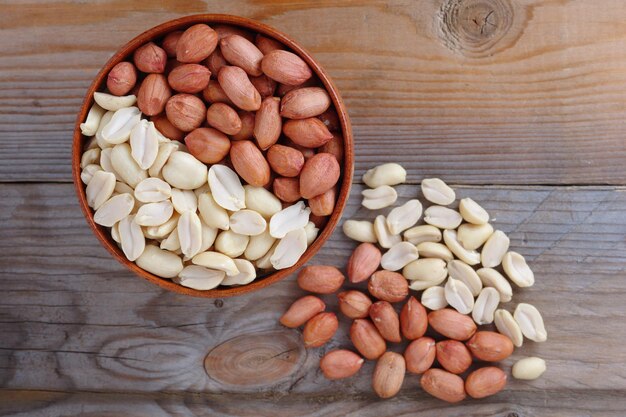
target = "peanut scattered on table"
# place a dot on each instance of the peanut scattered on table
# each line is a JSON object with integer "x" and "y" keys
{"x": 462, "y": 280}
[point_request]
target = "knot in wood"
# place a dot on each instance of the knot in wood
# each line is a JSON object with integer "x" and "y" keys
{"x": 475, "y": 28}
{"x": 256, "y": 359}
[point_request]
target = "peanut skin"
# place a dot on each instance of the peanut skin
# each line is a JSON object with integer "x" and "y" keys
{"x": 302, "y": 310}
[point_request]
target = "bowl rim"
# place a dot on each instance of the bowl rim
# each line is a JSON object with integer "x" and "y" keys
{"x": 347, "y": 166}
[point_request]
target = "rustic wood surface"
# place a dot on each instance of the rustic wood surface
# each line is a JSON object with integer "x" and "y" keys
{"x": 520, "y": 104}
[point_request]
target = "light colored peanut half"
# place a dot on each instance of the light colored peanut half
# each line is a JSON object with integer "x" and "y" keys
{"x": 289, "y": 249}
{"x": 107, "y": 165}
{"x": 152, "y": 190}
{"x": 291, "y": 218}
{"x": 258, "y": 246}
{"x": 247, "y": 222}
{"x": 231, "y": 244}
{"x": 264, "y": 261}
{"x": 311, "y": 232}
{"x": 459, "y": 296}
{"x": 404, "y": 216}
{"x": 425, "y": 273}
{"x": 492, "y": 278}
{"x": 517, "y": 269}
{"x": 466, "y": 274}
{"x": 530, "y": 322}
{"x": 423, "y": 233}
{"x": 472, "y": 236}
{"x": 486, "y": 305}
{"x": 470, "y": 257}
{"x": 216, "y": 260}
{"x": 437, "y": 191}
{"x": 144, "y": 143}
{"x": 125, "y": 165}
{"x": 385, "y": 174}
{"x": 100, "y": 189}
{"x": 189, "y": 233}
{"x": 359, "y": 230}
{"x": 114, "y": 210}
{"x": 209, "y": 234}
{"x": 165, "y": 150}
{"x": 199, "y": 277}
{"x": 90, "y": 156}
{"x": 154, "y": 214}
{"x": 212, "y": 213}
{"x": 506, "y": 324}
{"x": 115, "y": 233}
{"x": 434, "y": 250}
{"x": 184, "y": 200}
{"x": 226, "y": 188}
{"x": 87, "y": 173}
{"x": 442, "y": 217}
{"x": 262, "y": 201}
{"x": 90, "y": 126}
{"x": 379, "y": 197}
{"x": 495, "y": 248}
{"x": 398, "y": 256}
{"x": 472, "y": 212}
{"x": 106, "y": 118}
{"x": 121, "y": 124}
{"x": 160, "y": 262}
{"x": 171, "y": 243}
{"x": 434, "y": 298}
{"x": 162, "y": 230}
{"x": 131, "y": 238}
{"x": 113, "y": 103}
{"x": 182, "y": 170}
{"x": 528, "y": 368}
{"x": 247, "y": 273}
{"x": 385, "y": 238}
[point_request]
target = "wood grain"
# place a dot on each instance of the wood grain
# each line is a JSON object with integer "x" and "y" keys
{"x": 504, "y": 94}
{"x": 74, "y": 321}
{"x": 533, "y": 94}
{"x": 87, "y": 404}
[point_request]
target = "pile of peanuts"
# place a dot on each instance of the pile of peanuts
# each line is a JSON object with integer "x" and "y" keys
{"x": 215, "y": 153}
{"x": 447, "y": 336}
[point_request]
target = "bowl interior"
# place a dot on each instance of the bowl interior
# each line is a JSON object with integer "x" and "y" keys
{"x": 180, "y": 24}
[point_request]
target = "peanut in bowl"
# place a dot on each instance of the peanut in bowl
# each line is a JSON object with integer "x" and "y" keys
{"x": 222, "y": 155}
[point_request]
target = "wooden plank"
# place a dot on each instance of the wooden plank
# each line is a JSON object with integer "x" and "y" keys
{"x": 72, "y": 319}
{"x": 535, "y": 94}
{"x": 86, "y": 404}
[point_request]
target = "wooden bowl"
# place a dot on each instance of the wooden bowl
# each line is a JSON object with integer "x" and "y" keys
{"x": 155, "y": 33}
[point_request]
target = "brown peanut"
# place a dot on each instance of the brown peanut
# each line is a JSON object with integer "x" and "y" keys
{"x": 302, "y": 310}
{"x": 386, "y": 321}
{"x": 366, "y": 339}
{"x": 320, "y": 329}
{"x": 320, "y": 279}
{"x": 354, "y": 304}
{"x": 413, "y": 319}
{"x": 388, "y": 286}
{"x": 420, "y": 355}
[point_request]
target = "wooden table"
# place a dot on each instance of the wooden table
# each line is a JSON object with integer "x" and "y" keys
{"x": 520, "y": 104}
